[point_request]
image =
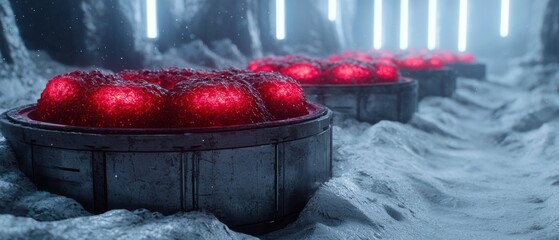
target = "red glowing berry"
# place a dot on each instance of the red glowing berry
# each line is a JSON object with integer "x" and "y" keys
{"x": 208, "y": 102}
{"x": 386, "y": 72}
{"x": 267, "y": 64}
{"x": 306, "y": 72}
{"x": 125, "y": 105}
{"x": 283, "y": 97}
{"x": 413, "y": 63}
{"x": 61, "y": 99}
{"x": 350, "y": 72}
{"x": 435, "y": 62}
{"x": 59, "y": 102}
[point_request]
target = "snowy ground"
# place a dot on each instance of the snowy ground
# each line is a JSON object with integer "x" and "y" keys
{"x": 481, "y": 165}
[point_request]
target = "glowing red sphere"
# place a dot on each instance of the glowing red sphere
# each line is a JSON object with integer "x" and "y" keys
{"x": 125, "y": 105}
{"x": 59, "y": 102}
{"x": 413, "y": 63}
{"x": 264, "y": 65}
{"x": 350, "y": 72}
{"x": 283, "y": 97}
{"x": 386, "y": 72}
{"x": 435, "y": 62}
{"x": 305, "y": 72}
{"x": 210, "y": 102}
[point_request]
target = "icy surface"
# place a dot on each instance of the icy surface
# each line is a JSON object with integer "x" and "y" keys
{"x": 480, "y": 165}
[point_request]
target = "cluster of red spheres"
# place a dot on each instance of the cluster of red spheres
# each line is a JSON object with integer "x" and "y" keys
{"x": 416, "y": 60}
{"x": 342, "y": 70}
{"x": 358, "y": 67}
{"x": 169, "y": 98}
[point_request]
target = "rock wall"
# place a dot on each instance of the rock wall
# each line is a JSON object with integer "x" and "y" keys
{"x": 16, "y": 63}
{"x": 111, "y": 34}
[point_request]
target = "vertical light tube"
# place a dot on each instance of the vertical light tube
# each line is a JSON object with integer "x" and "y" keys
{"x": 280, "y": 19}
{"x": 404, "y": 24}
{"x": 377, "y": 30}
{"x": 151, "y": 18}
{"x": 332, "y": 10}
{"x": 432, "y": 25}
{"x": 463, "y": 26}
{"x": 505, "y": 11}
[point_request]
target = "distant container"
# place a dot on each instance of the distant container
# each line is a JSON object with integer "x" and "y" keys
{"x": 251, "y": 177}
{"x": 440, "y": 83}
{"x": 368, "y": 102}
{"x": 470, "y": 70}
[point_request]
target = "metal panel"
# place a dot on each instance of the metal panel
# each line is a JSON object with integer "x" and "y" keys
{"x": 144, "y": 180}
{"x": 64, "y": 172}
{"x": 475, "y": 70}
{"x": 307, "y": 165}
{"x": 378, "y": 107}
{"x": 370, "y": 103}
{"x": 342, "y": 103}
{"x": 238, "y": 185}
{"x": 244, "y": 185}
{"x": 441, "y": 83}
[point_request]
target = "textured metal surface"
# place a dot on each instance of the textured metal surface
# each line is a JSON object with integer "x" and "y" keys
{"x": 369, "y": 103}
{"x": 439, "y": 83}
{"x": 255, "y": 183}
{"x": 473, "y": 70}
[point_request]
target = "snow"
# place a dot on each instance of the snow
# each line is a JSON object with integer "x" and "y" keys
{"x": 479, "y": 165}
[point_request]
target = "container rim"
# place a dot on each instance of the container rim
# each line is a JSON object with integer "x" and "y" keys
{"x": 401, "y": 81}
{"x": 24, "y": 115}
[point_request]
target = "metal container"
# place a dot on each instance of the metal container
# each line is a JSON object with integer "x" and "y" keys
{"x": 250, "y": 177}
{"x": 369, "y": 103}
{"x": 440, "y": 83}
{"x": 473, "y": 70}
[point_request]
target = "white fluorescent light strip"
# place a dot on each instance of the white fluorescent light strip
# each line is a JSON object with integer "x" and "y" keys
{"x": 404, "y": 24}
{"x": 280, "y": 19}
{"x": 151, "y": 17}
{"x": 332, "y": 10}
{"x": 505, "y": 8}
{"x": 463, "y": 26}
{"x": 377, "y": 31}
{"x": 432, "y": 25}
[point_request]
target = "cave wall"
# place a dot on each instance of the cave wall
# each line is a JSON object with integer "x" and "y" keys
{"x": 84, "y": 32}
{"x": 16, "y": 62}
{"x": 111, "y": 33}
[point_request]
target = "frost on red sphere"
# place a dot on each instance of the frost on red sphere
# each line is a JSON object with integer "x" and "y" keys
{"x": 209, "y": 102}
{"x": 350, "y": 72}
{"x": 283, "y": 97}
{"x": 61, "y": 100}
{"x": 267, "y": 64}
{"x": 386, "y": 72}
{"x": 125, "y": 105}
{"x": 412, "y": 63}
{"x": 165, "y": 78}
{"x": 303, "y": 70}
